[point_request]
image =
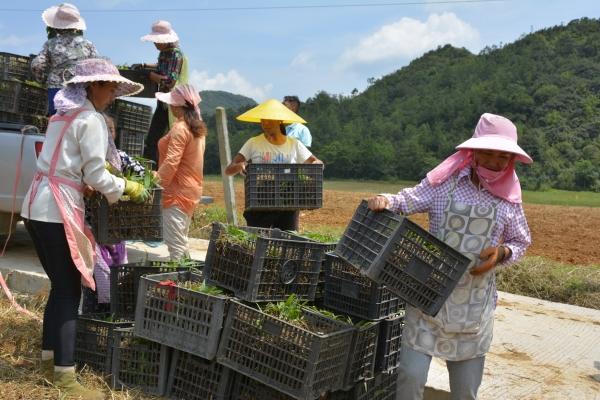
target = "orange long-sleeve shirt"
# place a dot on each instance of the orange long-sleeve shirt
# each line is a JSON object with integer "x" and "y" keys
{"x": 181, "y": 164}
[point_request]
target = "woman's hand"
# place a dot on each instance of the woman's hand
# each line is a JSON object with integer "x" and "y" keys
{"x": 378, "y": 203}
{"x": 88, "y": 191}
{"x": 492, "y": 256}
{"x": 156, "y": 78}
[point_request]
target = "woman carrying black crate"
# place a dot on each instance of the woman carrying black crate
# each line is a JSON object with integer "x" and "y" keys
{"x": 473, "y": 199}
{"x": 271, "y": 147}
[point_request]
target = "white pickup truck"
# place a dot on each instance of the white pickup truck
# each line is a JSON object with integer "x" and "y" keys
{"x": 19, "y": 151}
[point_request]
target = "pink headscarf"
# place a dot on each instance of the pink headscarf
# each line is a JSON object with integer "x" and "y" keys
{"x": 493, "y": 132}
{"x": 182, "y": 95}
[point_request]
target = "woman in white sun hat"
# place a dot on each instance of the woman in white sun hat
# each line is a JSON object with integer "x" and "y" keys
{"x": 55, "y": 64}
{"x": 171, "y": 69}
{"x": 73, "y": 156}
{"x": 473, "y": 199}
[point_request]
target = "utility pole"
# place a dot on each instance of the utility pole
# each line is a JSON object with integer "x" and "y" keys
{"x": 225, "y": 158}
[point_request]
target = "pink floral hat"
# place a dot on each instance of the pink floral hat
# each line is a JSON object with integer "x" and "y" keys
{"x": 161, "y": 33}
{"x": 101, "y": 69}
{"x": 495, "y": 132}
{"x": 63, "y": 16}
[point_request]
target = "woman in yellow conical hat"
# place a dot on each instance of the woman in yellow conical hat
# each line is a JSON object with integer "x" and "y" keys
{"x": 272, "y": 146}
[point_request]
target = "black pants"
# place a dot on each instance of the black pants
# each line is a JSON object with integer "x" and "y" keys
{"x": 284, "y": 220}
{"x": 158, "y": 128}
{"x": 60, "y": 315}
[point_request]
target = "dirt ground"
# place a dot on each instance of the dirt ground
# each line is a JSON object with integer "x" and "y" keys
{"x": 564, "y": 234}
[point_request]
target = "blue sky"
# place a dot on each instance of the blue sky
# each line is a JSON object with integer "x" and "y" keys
{"x": 271, "y": 53}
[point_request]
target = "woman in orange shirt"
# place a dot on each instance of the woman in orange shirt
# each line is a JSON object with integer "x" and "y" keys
{"x": 180, "y": 167}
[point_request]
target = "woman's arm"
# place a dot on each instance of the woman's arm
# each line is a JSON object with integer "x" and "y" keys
{"x": 238, "y": 165}
{"x": 313, "y": 160}
{"x": 40, "y": 64}
{"x": 408, "y": 201}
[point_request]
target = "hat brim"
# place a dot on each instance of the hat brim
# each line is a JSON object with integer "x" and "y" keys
{"x": 125, "y": 86}
{"x": 498, "y": 144}
{"x": 271, "y": 109}
{"x": 165, "y": 98}
{"x": 162, "y": 38}
{"x": 48, "y": 18}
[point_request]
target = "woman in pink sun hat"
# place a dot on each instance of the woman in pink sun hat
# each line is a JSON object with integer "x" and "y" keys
{"x": 55, "y": 64}
{"x": 473, "y": 199}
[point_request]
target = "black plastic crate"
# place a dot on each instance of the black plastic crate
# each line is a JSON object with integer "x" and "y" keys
{"x": 269, "y": 266}
{"x": 184, "y": 319}
{"x": 296, "y": 361}
{"x": 125, "y": 281}
{"x": 284, "y": 186}
{"x": 125, "y": 220}
{"x": 131, "y": 142}
{"x": 22, "y": 98}
{"x": 349, "y": 292}
{"x": 361, "y": 364}
{"x": 382, "y": 387}
{"x": 141, "y": 76}
{"x": 139, "y": 363}
{"x": 320, "y": 292}
{"x": 131, "y": 116}
{"x": 390, "y": 341}
{"x": 15, "y": 67}
{"x": 394, "y": 251}
{"x": 246, "y": 388}
{"x": 94, "y": 340}
{"x": 194, "y": 378}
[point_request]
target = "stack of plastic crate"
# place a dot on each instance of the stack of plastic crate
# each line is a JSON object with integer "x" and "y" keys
{"x": 132, "y": 121}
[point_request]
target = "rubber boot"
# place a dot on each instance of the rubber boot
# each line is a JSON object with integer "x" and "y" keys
{"x": 68, "y": 385}
{"x": 47, "y": 370}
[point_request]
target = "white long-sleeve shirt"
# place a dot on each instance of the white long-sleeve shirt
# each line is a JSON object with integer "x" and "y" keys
{"x": 81, "y": 159}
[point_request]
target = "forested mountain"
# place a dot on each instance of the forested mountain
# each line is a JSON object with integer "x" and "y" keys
{"x": 547, "y": 82}
{"x": 218, "y": 98}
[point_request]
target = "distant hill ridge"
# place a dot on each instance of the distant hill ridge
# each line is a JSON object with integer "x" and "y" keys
{"x": 402, "y": 125}
{"x": 218, "y": 98}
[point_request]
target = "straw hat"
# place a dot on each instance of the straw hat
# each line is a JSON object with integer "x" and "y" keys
{"x": 495, "y": 132}
{"x": 161, "y": 33}
{"x": 271, "y": 109}
{"x": 63, "y": 16}
{"x": 101, "y": 69}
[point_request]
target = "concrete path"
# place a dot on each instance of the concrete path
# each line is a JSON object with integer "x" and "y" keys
{"x": 541, "y": 350}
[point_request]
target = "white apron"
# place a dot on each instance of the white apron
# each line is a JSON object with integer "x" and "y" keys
{"x": 80, "y": 238}
{"x": 462, "y": 329}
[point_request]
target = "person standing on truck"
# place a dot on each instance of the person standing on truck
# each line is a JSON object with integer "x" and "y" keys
{"x": 55, "y": 64}
{"x": 271, "y": 146}
{"x": 171, "y": 70}
{"x": 180, "y": 167}
{"x": 473, "y": 199}
{"x": 73, "y": 156}
{"x": 297, "y": 130}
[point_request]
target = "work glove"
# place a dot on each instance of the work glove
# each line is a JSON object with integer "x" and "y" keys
{"x": 136, "y": 191}
{"x": 108, "y": 166}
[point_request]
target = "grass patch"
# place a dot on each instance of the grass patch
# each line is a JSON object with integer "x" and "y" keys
{"x": 549, "y": 280}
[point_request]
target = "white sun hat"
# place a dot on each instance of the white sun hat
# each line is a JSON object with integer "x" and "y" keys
{"x": 161, "y": 33}
{"x": 63, "y": 16}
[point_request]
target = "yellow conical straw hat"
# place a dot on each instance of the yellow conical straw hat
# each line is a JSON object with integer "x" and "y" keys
{"x": 270, "y": 109}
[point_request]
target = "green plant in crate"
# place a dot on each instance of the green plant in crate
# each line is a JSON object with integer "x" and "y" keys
{"x": 202, "y": 287}
{"x": 289, "y": 310}
{"x": 321, "y": 237}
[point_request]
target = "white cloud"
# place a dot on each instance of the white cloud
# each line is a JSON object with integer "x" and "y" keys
{"x": 230, "y": 81}
{"x": 304, "y": 59}
{"x": 409, "y": 38}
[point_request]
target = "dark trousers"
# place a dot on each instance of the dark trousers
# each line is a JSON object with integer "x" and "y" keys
{"x": 60, "y": 315}
{"x": 284, "y": 220}
{"x": 158, "y": 128}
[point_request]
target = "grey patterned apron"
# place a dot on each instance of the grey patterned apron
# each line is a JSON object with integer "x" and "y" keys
{"x": 462, "y": 329}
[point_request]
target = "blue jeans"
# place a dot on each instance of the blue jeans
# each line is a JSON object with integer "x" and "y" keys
{"x": 51, "y": 93}
{"x": 465, "y": 376}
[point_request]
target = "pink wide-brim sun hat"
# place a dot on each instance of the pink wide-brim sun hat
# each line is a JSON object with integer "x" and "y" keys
{"x": 102, "y": 70}
{"x": 63, "y": 16}
{"x": 495, "y": 132}
{"x": 162, "y": 32}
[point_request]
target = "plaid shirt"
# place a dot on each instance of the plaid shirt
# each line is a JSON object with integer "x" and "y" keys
{"x": 511, "y": 227}
{"x": 169, "y": 64}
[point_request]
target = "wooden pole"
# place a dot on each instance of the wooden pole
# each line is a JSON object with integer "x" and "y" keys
{"x": 225, "y": 158}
